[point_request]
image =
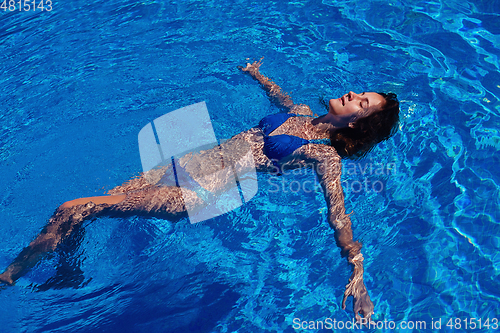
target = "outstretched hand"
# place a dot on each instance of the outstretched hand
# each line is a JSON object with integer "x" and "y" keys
{"x": 356, "y": 288}
{"x": 252, "y": 68}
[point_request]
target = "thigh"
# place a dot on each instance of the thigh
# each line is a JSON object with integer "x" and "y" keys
{"x": 160, "y": 201}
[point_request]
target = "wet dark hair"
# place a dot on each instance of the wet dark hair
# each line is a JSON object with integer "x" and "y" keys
{"x": 366, "y": 132}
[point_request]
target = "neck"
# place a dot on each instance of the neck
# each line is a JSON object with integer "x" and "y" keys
{"x": 331, "y": 121}
{"x": 321, "y": 129}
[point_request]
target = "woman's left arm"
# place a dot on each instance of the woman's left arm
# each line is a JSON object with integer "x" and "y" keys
{"x": 328, "y": 168}
{"x": 275, "y": 91}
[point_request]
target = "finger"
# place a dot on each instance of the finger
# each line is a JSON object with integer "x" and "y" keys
{"x": 357, "y": 308}
{"x": 343, "y": 301}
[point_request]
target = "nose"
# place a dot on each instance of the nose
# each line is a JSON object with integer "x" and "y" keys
{"x": 352, "y": 95}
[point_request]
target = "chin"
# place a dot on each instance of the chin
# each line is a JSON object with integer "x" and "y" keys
{"x": 331, "y": 106}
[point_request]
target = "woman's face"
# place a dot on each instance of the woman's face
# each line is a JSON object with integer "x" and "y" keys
{"x": 356, "y": 104}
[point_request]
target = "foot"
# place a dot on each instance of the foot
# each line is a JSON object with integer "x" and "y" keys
{"x": 5, "y": 278}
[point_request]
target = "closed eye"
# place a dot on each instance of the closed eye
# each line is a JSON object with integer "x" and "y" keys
{"x": 367, "y": 103}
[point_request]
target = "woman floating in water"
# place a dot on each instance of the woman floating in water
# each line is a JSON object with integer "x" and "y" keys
{"x": 353, "y": 125}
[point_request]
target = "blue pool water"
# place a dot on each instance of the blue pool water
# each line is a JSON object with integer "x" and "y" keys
{"x": 79, "y": 82}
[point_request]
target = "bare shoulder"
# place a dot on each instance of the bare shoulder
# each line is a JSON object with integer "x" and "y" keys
{"x": 320, "y": 153}
{"x": 323, "y": 158}
{"x": 301, "y": 109}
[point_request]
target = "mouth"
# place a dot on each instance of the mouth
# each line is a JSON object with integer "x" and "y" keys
{"x": 342, "y": 100}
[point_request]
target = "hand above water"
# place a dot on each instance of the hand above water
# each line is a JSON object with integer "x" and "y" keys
{"x": 252, "y": 68}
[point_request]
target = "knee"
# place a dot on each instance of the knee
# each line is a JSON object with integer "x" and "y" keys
{"x": 67, "y": 204}
{"x": 107, "y": 199}
{"x": 71, "y": 203}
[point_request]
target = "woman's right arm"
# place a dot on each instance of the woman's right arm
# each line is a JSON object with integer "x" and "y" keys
{"x": 328, "y": 168}
{"x": 274, "y": 90}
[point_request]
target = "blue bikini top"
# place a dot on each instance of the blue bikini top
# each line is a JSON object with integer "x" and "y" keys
{"x": 278, "y": 146}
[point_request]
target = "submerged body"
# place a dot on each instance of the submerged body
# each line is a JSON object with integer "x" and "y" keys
{"x": 290, "y": 142}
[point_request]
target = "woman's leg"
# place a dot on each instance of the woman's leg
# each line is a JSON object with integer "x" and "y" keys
{"x": 106, "y": 199}
{"x": 60, "y": 225}
{"x": 166, "y": 202}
